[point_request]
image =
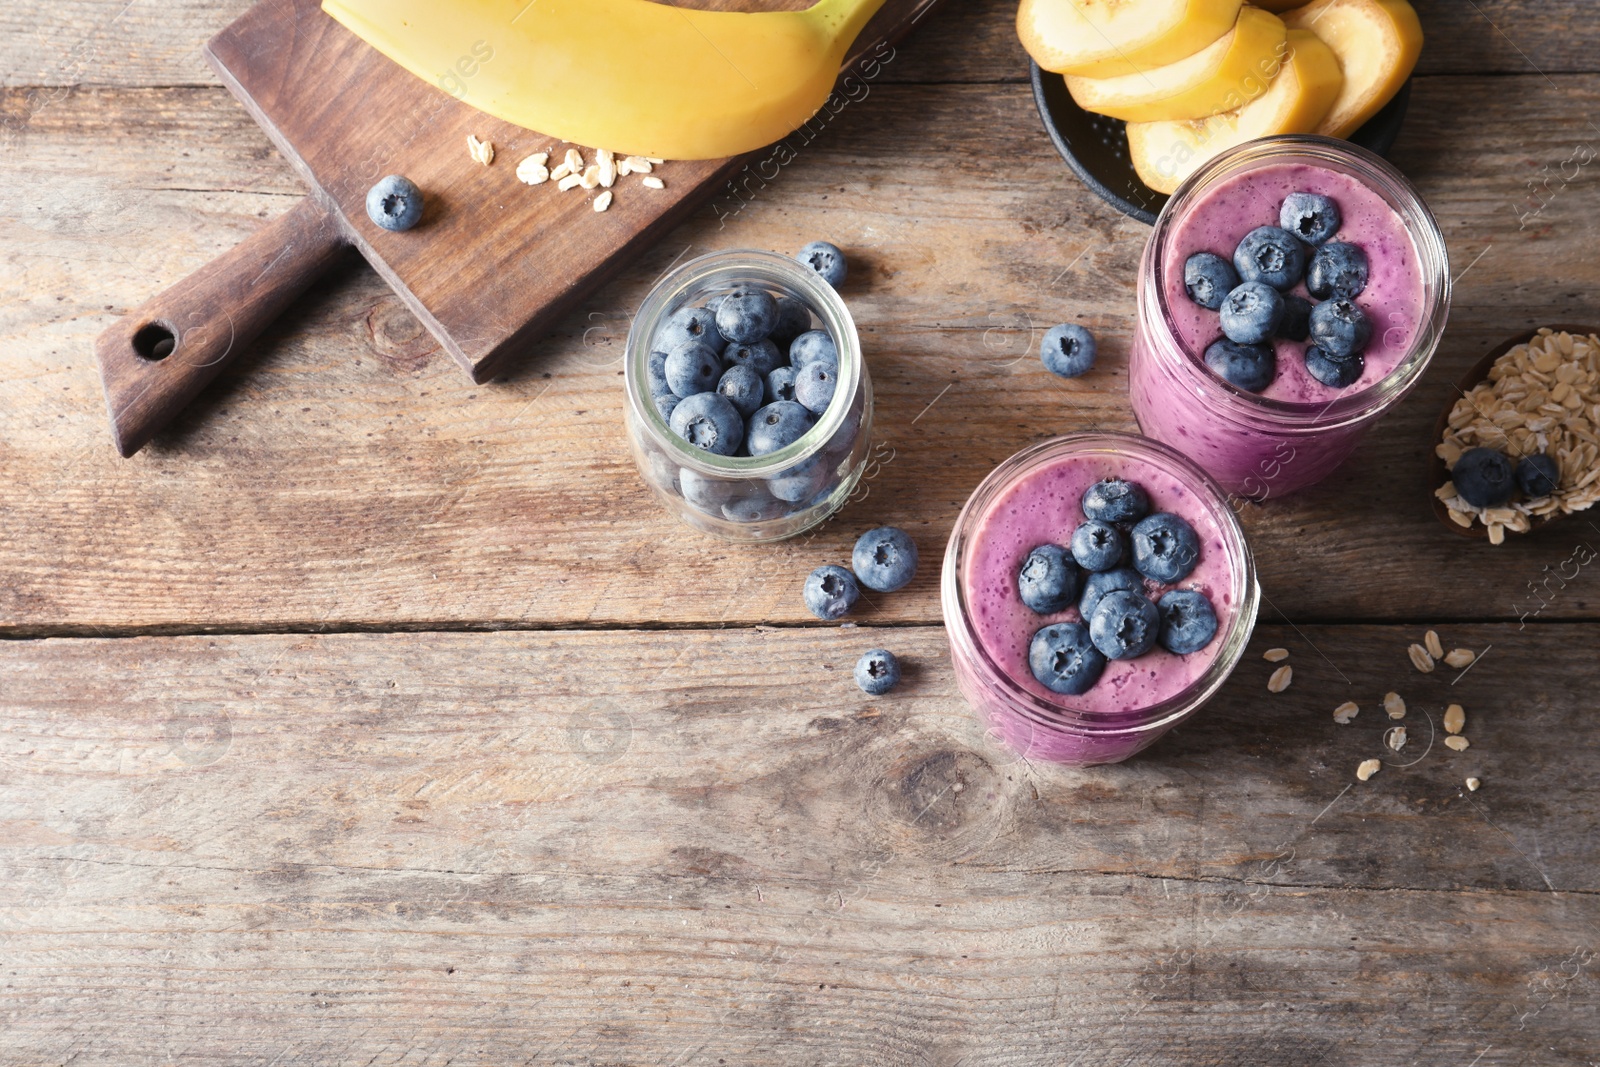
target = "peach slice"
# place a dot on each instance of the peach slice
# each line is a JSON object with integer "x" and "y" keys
{"x": 1195, "y": 87}
{"x": 1111, "y": 38}
{"x": 1165, "y": 153}
{"x": 1377, "y": 42}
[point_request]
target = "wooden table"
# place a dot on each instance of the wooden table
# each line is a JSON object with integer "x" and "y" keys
{"x": 374, "y": 717}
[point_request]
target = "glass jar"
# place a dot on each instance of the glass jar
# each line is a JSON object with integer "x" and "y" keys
{"x": 751, "y": 498}
{"x": 1256, "y": 446}
{"x": 1102, "y": 726}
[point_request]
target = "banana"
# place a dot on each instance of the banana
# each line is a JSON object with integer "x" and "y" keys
{"x": 1377, "y": 42}
{"x": 1112, "y": 38}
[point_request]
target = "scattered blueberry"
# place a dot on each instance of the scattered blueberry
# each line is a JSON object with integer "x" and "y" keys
{"x": 692, "y": 368}
{"x": 1538, "y": 475}
{"x": 1337, "y": 269}
{"x": 1097, "y": 586}
{"x": 1271, "y": 256}
{"x": 666, "y": 403}
{"x": 811, "y": 346}
{"x": 1188, "y": 621}
{"x": 747, "y": 314}
{"x": 1296, "y": 322}
{"x": 395, "y": 203}
{"x": 1098, "y": 546}
{"x": 743, "y": 387}
{"x": 1252, "y": 313}
{"x": 803, "y": 481}
{"x": 780, "y": 384}
{"x": 777, "y": 426}
{"x": 1334, "y": 373}
{"x": 1250, "y": 367}
{"x": 1067, "y": 350}
{"x": 1114, "y": 500}
{"x": 761, "y": 356}
{"x": 657, "y": 374}
{"x": 831, "y": 592}
{"x": 877, "y": 672}
{"x": 1483, "y": 477}
{"x": 703, "y": 491}
{"x": 814, "y": 386}
{"x": 1064, "y": 660}
{"x": 826, "y": 260}
{"x": 1048, "y": 579}
{"x": 1165, "y": 548}
{"x": 884, "y": 559}
{"x": 1124, "y": 625}
{"x": 1310, "y": 216}
{"x": 708, "y": 421}
{"x": 1340, "y": 328}
{"x": 1208, "y": 279}
{"x": 690, "y": 324}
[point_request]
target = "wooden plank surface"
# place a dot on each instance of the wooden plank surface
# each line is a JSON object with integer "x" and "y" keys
{"x": 561, "y": 847}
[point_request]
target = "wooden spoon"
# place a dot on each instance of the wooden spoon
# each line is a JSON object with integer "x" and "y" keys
{"x": 1438, "y": 473}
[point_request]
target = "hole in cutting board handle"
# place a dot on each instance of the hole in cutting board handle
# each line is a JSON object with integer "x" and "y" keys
{"x": 154, "y": 341}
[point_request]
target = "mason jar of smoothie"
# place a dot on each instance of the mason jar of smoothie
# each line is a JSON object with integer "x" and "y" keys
{"x": 749, "y": 406}
{"x": 1264, "y": 358}
{"x": 1084, "y": 623}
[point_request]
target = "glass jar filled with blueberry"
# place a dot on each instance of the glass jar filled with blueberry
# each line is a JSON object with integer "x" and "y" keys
{"x": 749, "y": 407}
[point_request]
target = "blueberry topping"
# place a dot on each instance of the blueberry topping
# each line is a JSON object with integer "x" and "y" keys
{"x": 747, "y": 314}
{"x": 884, "y": 559}
{"x": 780, "y": 384}
{"x": 1271, "y": 256}
{"x": 708, "y": 421}
{"x": 1048, "y": 580}
{"x": 814, "y": 385}
{"x": 1188, "y": 621}
{"x": 1208, "y": 279}
{"x": 826, "y": 260}
{"x": 692, "y": 368}
{"x": 1114, "y": 500}
{"x": 1124, "y": 625}
{"x": 831, "y": 592}
{"x": 803, "y": 481}
{"x": 1310, "y": 216}
{"x": 690, "y": 324}
{"x": 1538, "y": 475}
{"x": 777, "y": 426}
{"x": 794, "y": 319}
{"x": 1098, "y": 546}
{"x": 811, "y": 346}
{"x": 395, "y": 203}
{"x": 1483, "y": 477}
{"x": 1340, "y": 328}
{"x": 744, "y": 389}
{"x": 1067, "y": 350}
{"x": 1337, "y": 269}
{"x": 1334, "y": 373}
{"x": 877, "y": 672}
{"x": 1250, "y": 367}
{"x": 1165, "y": 548}
{"x": 1064, "y": 660}
{"x": 761, "y": 356}
{"x": 1296, "y": 322}
{"x": 1251, "y": 313}
{"x": 1097, "y": 586}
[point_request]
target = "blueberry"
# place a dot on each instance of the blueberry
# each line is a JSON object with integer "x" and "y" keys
{"x": 754, "y": 505}
{"x": 1165, "y": 548}
{"x": 884, "y": 559}
{"x": 1097, "y": 586}
{"x": 705, "y": 492}
{"x": 690, "y": 324}
{"x": 1296, "y": 322}
{"x": 814, "y": 385}
{"x": 1483, "y": 477}
{"x": 666, "y": 404}
{"x": 1271, "y": 256}
{"x": 1067, "y": 350}
{"x": 1114, "y": 500}
{"x": 777, "y": 426}
{"x": 708, "y": 421}
{"x": 744, "y": 389}
{"x": 1337, "y": 269}
{"x": 1252, "y": 313}
{"x": 1208, "y": 279}
{"x": 780, "y": 384}
{"x": 692, "y": 368}
{"x": 877, "y": 672}
{"x": 803, "y": 481}
{"x": 826, "y": 260}
{"x": 1188, "y": 622}
{"x": 1124, "y": 625}
{"x": 831, "y": 592}
{"x": 1064, "y": 660}
{"x": 1098, "y": 546}
{"x": 794, "y": 319}
{"x": 1538, "y": 475}
{"x": 811, "y": 346}
{"x": 761, "y": 356}
{"x": 1250, "y": 367}
{"x": 1334, "y": 373}
{"x": 395, "y": 203}
{"x": 1310, "y": 216}
{"x": 656, "y": 374}
{"x": 1340, "y": 328}
{"x": 747, "y": 314}
{"x": 1048, "y": 579}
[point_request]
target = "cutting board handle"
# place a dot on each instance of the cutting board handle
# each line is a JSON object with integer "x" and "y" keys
{"x": 157, "y": 359}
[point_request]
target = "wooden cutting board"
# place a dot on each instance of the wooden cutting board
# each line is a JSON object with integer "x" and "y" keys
{"x": 494, "y": 263}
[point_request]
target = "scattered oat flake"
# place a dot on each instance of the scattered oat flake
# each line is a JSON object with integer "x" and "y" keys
{"x": 1455, "y": 719}
{"x": 654, "y": 183}
{"x": 1345, "y": 712}
{"x": 624, "y": 168}
{"x": 571, "y": 181}
{"x": 1395, "y": 738}
{"x": 1368, "y": 768}
{"x": 591, "y": 176}
{"x": 561, "y": 170}
{"x": 1431, "y": 642}
{"x": 639, "y": 164}
{"x": 1280, "y": 679}
{"x": 1275, "y": 655}
{"x": 1473, "y": 784}
{"x": 653, "y": 159}
{"x": 1420, "y": 659}
{"x": 602, "y": 201}
{"x": 574, "y": 161}
{"x": 1456, "y": 743}
{"x": 1459, "y": 657}
{"x": 480, "y": 151}
{"x": 532, "y": 171}
{"x": 1394, "y": 705}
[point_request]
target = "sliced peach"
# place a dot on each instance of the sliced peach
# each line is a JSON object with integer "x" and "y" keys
{"x": 1195, "y": 87}
{"x": 1110, "y": 38}
{"x": 1165, "y": 153}
{"x": 1377, "y": 42}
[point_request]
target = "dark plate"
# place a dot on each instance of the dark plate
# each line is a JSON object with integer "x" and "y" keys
{"x": 1096, "y": 148}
